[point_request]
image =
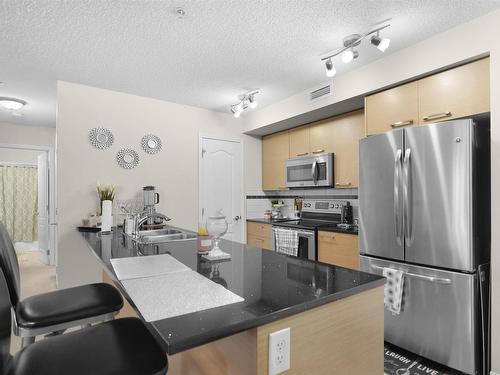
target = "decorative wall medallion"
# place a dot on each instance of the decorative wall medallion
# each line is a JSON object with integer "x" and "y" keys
{"x": 127, "y": 158}
{"x": 151, "y": 143}
{"x": 101, "y": 138}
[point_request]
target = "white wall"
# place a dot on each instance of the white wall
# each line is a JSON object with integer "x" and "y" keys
{"x": 174, "y": 171}
{"x": 460, "y": 43}
{"x": 12, "y": 155}
{"x": 27, "y": 135}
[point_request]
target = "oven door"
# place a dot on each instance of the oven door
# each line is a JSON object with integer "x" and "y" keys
{"x": 307, "y": 243}
{"x": 309, "y": 171}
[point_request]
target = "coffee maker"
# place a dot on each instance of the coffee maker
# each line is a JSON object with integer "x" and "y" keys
{"x": 151, "y": 199}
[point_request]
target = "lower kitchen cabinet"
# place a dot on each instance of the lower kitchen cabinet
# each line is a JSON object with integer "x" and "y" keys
{"x": 340, "y": 249}
{"x": 259, "y": 235}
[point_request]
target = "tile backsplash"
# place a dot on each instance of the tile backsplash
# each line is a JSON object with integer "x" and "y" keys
{"x": 258, "y": 201}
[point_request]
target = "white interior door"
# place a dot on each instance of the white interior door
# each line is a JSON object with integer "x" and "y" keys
{"x": 221, "y": 183}
{"x": 43, "y": 207}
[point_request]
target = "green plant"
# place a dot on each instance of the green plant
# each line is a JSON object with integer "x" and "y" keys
{"x": 106, "y": 192}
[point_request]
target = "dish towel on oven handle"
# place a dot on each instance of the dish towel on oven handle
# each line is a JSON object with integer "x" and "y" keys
{"x": 393, "y": 289}
{"x": 287, "y": 241}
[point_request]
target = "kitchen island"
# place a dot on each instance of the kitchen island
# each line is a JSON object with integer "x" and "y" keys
{"x": 335, "y": 314}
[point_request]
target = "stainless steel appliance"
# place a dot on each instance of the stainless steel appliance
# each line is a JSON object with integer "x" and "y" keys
{"x": 309, "y": 171}
{"x": 151, "y": 199}
{"x": 315, "y": 214}
{"x": 424, "y": 197}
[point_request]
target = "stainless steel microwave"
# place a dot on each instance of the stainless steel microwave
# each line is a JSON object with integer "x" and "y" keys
{"x": 309, "y": 171}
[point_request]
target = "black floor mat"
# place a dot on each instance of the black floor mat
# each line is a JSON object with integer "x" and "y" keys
{"x": 398, "y": 361}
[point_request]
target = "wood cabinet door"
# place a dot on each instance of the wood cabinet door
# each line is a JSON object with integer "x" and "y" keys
{"x": 321, "y": 136}
{"x": 299, "y": 141}
{"x": 346, "y": 132}
{"x": 275, "y": 151}
{"x": 340, "y": 249}
{"x": 392, "y": 109}
{"x": 455, "y": 93}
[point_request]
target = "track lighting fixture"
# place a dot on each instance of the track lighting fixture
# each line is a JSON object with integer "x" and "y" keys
{"x": 348, "y": 53}
{"x": 330, "y": 69}
{"x": 381, "y": 43}
{"x": 247, "y": 100}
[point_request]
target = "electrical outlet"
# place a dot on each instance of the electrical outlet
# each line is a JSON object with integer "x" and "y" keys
{"x": 279, "y": 351}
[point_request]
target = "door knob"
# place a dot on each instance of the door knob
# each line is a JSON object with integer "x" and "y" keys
{"x": 237, "y": 217}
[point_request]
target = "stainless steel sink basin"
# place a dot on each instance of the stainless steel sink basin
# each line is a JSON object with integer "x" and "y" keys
{"x": 158, "y": 232}
{"x": 163, "y": 235}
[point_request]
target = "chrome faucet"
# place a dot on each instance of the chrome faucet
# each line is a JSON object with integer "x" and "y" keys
{"x": 142, "y": 217}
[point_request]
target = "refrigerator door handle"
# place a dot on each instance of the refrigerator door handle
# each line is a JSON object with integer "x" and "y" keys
{"x": 397, "y": 209}
{"x": 407, "y": 196}
{"x": 439, "y": 280}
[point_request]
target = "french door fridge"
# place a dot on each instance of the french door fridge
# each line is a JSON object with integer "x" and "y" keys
{"x": 424, "y": 203}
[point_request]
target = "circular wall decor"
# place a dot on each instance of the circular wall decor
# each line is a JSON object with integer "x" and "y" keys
{"x": 101, "y": 138}
{"x": 127, "y": 158}
{"x": 151, "y": 143}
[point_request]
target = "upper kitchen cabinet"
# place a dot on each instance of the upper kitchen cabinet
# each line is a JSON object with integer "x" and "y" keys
{"x": 299, "y": 141}
{"x": 347, "y": 131}
{"x": 321, "y": 136}
{"x": 391, "y": 109}
{"x": 455, "y": 93}
{"x": 275, "y": 151}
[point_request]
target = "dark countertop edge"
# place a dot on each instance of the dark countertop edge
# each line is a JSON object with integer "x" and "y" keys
{"x": 291, "y": 311}
{"x": 195, "y": 341}
{"x": 324, "y": 229}
{"x": 338, "y": 230}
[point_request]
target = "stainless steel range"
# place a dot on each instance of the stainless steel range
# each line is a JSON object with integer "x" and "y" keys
{"x": 315, "y": 214}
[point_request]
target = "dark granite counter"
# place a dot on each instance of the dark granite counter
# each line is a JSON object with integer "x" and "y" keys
{"x": 339, "y": 230}
{"x": 274, "y": 286}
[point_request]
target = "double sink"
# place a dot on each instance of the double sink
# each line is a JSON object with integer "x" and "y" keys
{"x": 163, "y": 235}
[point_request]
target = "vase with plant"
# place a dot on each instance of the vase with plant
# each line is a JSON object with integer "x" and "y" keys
{"x": 106, "y": 192}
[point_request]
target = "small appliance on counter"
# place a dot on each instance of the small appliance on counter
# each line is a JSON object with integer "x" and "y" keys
{"x": 151, "y": 199}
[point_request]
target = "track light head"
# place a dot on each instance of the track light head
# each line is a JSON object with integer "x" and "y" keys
{"x": 252, "y": 101}
{"x": 349, "y": 55}
{"x": 330, "y": 69}
{"x": 381, "y": 43}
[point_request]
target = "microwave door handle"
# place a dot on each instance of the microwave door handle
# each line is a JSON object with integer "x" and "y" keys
{"x": 314, "y": 172}
{"x": 397, "y": 208}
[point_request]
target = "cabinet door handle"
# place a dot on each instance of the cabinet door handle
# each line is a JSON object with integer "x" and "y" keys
{"x": 343, "y": 184}
{"x": 318, "y": 151}
{"x": 303, "y": 154}
{"x": 436, "y": 116}
{"x": 399, "y": 124}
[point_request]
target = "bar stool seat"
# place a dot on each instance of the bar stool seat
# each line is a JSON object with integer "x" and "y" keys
{"x": 118, "y": 347}
{"x": 72, "y": 304}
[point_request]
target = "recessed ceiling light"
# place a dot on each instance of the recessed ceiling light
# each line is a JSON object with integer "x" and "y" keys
{"x": 12, "y": 104}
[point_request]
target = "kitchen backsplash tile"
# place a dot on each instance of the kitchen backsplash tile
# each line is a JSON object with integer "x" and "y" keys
{"x": 257, "y": 202}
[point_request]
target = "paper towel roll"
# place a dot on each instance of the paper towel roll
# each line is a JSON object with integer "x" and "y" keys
{"x": 107, "y": 216}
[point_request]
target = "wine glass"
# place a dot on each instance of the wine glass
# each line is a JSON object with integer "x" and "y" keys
{"x": 217, "y": 227}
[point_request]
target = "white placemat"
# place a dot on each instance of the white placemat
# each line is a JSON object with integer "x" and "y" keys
{"x": 175, "y": 294}
{"x": 146, "y": 266}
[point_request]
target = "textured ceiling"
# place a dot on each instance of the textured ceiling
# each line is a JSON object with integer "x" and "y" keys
{"x": 219, "y": 50}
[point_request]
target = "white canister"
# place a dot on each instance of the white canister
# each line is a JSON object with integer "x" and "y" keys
{"x": 107, "y": 216}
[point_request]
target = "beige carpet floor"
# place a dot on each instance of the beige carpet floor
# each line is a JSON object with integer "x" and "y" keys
{"x": 36, "y": 278}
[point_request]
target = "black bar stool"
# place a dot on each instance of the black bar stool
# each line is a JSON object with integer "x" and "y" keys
{"x": 117, "y": 347}
{"x": 55, "y": 311}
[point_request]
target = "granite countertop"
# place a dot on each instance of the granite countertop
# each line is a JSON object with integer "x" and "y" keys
{"x": 273, "y": 285}
{"x": 325, "y": 228}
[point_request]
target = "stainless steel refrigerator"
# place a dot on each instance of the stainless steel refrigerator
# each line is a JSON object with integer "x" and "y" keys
{"x": 424, "y": 198}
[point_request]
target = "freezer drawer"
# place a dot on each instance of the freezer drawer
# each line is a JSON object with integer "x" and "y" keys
{"x": 440, "y": 315}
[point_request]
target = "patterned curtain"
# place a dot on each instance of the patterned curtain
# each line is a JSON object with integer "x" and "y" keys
{"x": 18, "y": 201}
